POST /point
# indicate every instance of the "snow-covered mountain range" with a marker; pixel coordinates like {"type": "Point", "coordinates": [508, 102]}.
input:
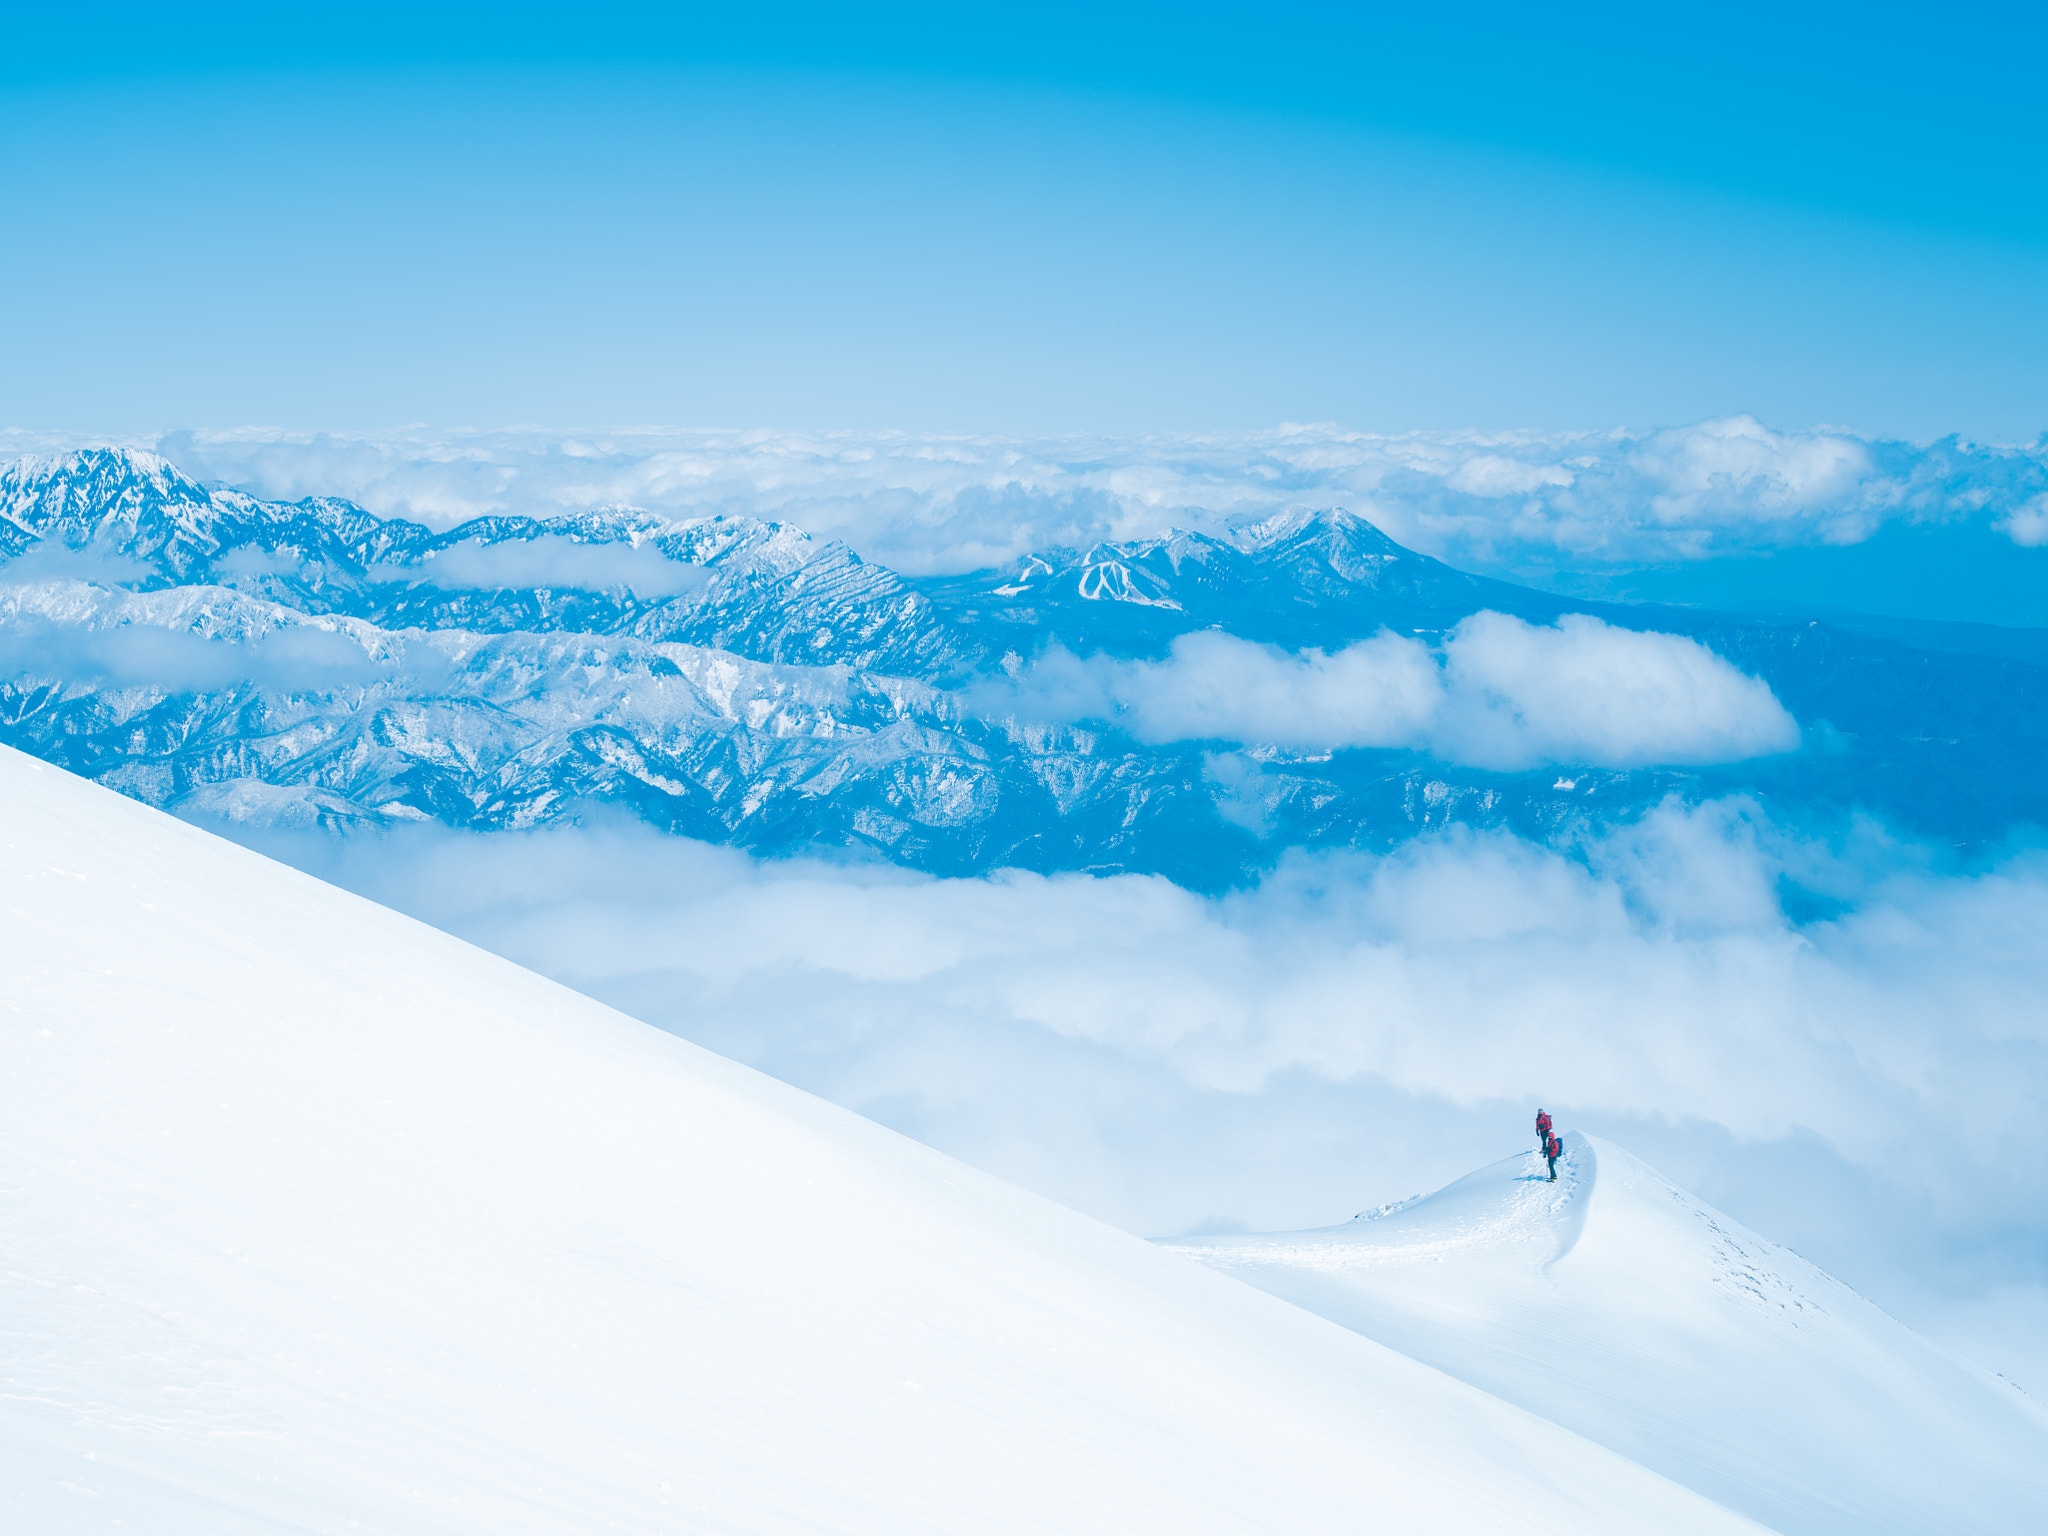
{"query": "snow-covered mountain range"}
{"type": "Point", "coordinates": [736, 680]}
{"type": "Point", "coordinates": [315, 1219]}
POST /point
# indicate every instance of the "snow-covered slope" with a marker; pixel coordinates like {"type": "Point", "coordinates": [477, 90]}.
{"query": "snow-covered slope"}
{"type": "Point", "coordinates": [313, 1219]}
{"type": "Point", "coordinates": [1619, 1305]}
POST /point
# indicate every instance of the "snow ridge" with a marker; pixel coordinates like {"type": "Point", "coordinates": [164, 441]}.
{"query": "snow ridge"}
{"type": "Point", "coordinates": [1622, 1307]}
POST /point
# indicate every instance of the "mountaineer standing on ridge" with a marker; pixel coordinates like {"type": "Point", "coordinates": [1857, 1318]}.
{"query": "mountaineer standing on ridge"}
{"type": "Point", "coordinates": [1542, 1129]}
{"type": "Point", "coordinates": [1553, 1149]}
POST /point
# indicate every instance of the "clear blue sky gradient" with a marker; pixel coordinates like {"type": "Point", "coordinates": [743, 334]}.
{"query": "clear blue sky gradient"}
{"type": "Point", "coordinates": [1045, 218]}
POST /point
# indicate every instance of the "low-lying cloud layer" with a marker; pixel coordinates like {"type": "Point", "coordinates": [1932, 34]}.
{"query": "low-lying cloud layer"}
{"type": "Point", "coordinates": [1503, 694]}
{"type": "Point", "coordinates": [1496, 501]}
{"type": "Point", "coordinates": [554, 563]}
{"type": "Point", "coordinates": [289, 658]}
{"type": "Point", "coordinates": [1865, 1085]}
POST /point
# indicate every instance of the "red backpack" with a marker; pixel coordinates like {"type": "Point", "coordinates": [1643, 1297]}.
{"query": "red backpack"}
{"type": "Point", "coordinates": [1543, 1122]}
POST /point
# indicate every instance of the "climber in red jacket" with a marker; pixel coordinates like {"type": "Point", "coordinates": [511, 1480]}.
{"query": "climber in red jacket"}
{"type": "Point", "coordinates": [1542, 1129]}
{"type": "Point", "coordinates": [1553, 1149]}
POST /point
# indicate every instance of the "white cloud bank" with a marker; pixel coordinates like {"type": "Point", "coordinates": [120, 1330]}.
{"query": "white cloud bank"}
{"type": "Point", "coordinates": [2027, 524]}
{"type": "Point", "coordinates": [1504, 694]}
{"type": "Point", "coordinates": [554, 562]}
{"type": "Point", "coordinates": [1497, 501]}
{"type": "Point", "coordinates": [1866, 1086]}
{"type": "Point", "coordinates": [65, 632]}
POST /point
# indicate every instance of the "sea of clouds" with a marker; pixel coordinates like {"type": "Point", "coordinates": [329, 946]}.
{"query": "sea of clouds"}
{"type": "Point", "coordinates": [1863, 1079]}
{"type": "Point", "coordinates": [1518, 503]}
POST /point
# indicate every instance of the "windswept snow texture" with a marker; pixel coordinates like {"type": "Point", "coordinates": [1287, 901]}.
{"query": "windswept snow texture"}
{"type": "Point", "coordinates": [741, 682]}
{"type": "Point", "coordinates": [1618, 1305]}
{"type": "Point", "coordinates": [315, 1220]}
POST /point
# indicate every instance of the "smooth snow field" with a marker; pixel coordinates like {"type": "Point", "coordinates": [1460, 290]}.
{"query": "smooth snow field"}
{"type": "Point", "coordinates": [314, 1219]}
{"type": "Point", "coordinates": [1619, 1305]}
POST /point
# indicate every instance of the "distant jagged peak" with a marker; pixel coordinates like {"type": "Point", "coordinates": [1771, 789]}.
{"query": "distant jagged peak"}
{"type": "Point", "coordinates": [145, 503]}
{"type": "Point", "coordinates": [124, 502]}
{"type": "Point", "coordinates": [770, 546]}
{"type": "Point", "coordinates": [97, 475]}
{"type": "Point", "coordinates": [139, 504]}
{"type": "Point", "coordinates": [1309, 525]}
{"type": "Point", "coordinates": [1316, 544]}
{"type": "Point", "coordinates": [622, 520]}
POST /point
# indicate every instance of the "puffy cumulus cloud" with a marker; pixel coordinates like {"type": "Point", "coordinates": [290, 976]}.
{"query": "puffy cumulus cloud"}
{"type": "Point", "coordinates": [2027, 524]}
{"type": "Point", "coordinates": [1585, 692]}
{"type": "Point", "coordinates": [1355, 1028]}
{"type": "Point", "coordinates": [1382, 692]}
{"type": "Point", "coordinates": [1739, 471]}
{"type": "Point", "coordinates": [554, 562]}
{"type": "Point", "coordinates": [1504, 694]}
{"type": "Point", "coordinates": [1512, 502]}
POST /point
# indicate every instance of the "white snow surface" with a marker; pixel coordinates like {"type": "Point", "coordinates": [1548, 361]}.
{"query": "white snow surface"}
{"type": "Point", "coordinates": [314, 1219]}
{"type": "Point", "coordinates": [1619, 1305]}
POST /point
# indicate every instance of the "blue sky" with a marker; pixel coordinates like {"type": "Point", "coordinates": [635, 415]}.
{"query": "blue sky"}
{"type": "Point", "coordinates": [1043, 219]}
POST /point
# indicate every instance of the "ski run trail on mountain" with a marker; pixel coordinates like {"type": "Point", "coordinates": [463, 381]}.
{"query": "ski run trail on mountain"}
{"type": "Point", "coordinates": [316, 1220]}
{"type": "Point", "coordinates": [1617, 1304]}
